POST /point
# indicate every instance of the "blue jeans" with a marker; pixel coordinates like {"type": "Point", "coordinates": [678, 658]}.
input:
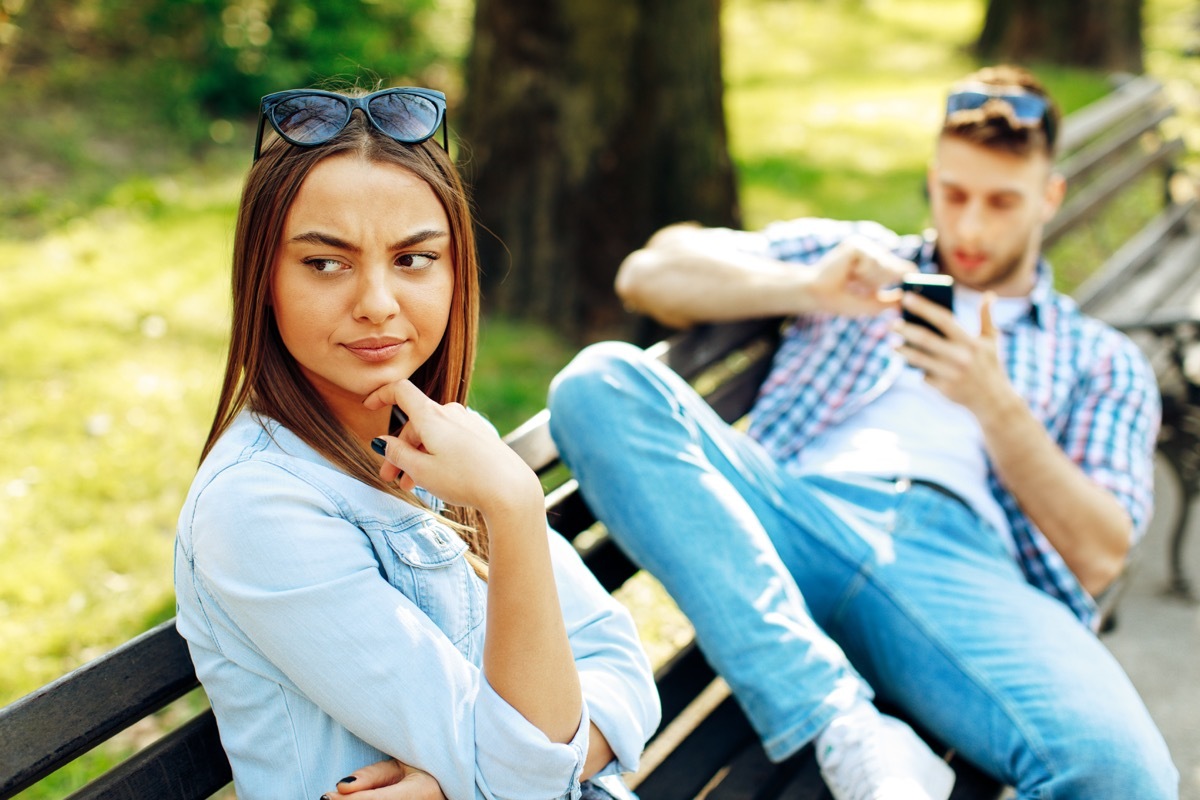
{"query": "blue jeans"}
{"type": "Point", "coordinates": [801, 612]}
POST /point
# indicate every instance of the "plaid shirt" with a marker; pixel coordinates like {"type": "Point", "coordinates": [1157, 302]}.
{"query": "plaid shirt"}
{"type": "Point", "coordinates": [1089, 385]}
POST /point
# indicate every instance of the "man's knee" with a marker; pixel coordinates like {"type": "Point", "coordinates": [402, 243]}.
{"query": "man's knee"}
{"type": "Point", "coordinates": [595, 372]}
{"type": "Point", "coordinates": [1114, 763]}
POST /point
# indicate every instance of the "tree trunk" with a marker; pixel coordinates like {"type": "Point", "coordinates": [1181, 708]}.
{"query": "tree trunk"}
{"type": "Point", "coordinates": [1102, 34]}
{"type": "Point", "coordinates": [588, 124]}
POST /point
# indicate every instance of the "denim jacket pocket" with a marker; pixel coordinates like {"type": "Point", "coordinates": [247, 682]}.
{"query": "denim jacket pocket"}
{"type": "Point", "coordinates": [430, 568]}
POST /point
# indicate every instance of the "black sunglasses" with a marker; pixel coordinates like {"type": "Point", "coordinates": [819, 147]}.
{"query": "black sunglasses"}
{"type": "Point", "coordinates": [1027, 108]}
{"type": "Point", "coordinates": [308, 117]}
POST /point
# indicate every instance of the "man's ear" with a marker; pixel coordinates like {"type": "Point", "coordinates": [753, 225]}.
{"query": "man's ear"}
{"type": "Point", "coordinates": [1056, 190]}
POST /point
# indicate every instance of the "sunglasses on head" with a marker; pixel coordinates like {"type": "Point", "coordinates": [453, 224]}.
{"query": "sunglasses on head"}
{"type": "Point", "coordinates": [1027, 108]}
{"type": "Point", "coordinates": [308, 117]}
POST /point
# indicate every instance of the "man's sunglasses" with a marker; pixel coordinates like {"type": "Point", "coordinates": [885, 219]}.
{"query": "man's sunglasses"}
{"type": "Point", "coordinates": [1028, 108]}
{"type": "Point", "coordinates": [308, 117]}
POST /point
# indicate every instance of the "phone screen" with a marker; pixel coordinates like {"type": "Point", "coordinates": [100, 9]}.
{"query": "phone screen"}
{"type": "Point", "coordinates": [938, 288]}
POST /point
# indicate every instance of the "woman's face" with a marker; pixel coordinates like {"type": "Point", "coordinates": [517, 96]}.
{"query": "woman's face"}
{"type": "Point", "coordinates": [362, 281]}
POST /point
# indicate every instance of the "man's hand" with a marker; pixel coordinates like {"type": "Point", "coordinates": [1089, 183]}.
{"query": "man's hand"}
{"type": "Point", "coordinates": [1086, 524]}
{"type": "Point", "coordinates": [387, 780]}
{"type": "Point", "coordinates": [851, 279]}
{"type": "Point", "coordinates": [964, 368]}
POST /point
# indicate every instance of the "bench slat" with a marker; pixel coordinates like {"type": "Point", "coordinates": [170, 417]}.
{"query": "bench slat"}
{"type": "Point", "coordinates": [610, 566]}
{"type": "Point", "coordinates": [1124, 102]}
{"type": "Point", "coordinates": [1174, 267]}
{"type": "Point", "coordinates": [694, 351]}
{"type": "Point", "coordinates": [734, 398]}
{"type": "Point", "coordinates": [50, 727]}
{"type": "Point", "coordinates": [1084, 205]}
{"type": "Point", "coordinates": [532, 442]}
{"type": "Point", "coordinates": [752, 776]}
{"type": "Point", "coordinates": [1132, 257]}
{"type": "Point", "coordinates": [691, 765]}
{"type": "Point", "coordinates": [187, 764]}
{"type": "Point", "coordinates": [1081, 165]}
{"type": "Point", "coordinates": [681, 680]}
{"type": "Point", "coordinates": [567, 512]}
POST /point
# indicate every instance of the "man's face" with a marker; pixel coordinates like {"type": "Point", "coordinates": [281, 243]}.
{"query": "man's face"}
{"type": "Point", "coordinates": [989, 207]}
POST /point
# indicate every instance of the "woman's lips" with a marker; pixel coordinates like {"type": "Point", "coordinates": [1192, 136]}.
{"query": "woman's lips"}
{"type": "Point", "coordinates": [374, 352]}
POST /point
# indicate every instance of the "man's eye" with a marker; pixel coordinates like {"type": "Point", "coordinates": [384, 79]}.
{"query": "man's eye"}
{"type": "Point", "coordinates": [416, 261]}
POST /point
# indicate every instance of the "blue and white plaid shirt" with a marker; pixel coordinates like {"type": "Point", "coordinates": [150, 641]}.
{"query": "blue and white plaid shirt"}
{"type": "Point", "coordinates": [1088, 384]}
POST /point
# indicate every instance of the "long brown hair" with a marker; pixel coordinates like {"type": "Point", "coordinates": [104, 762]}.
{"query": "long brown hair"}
{"type": "Point", "coordinates": [260, 373]}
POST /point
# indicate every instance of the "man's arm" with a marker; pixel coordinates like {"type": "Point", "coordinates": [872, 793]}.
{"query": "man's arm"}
{"type": "Point", "coordinates": [1086, 524]}
{"type": "Point", "coordinates": [687, 275]}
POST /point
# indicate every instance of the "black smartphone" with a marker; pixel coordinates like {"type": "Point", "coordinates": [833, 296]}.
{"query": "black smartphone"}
{"type": "Point", "coordinates": [938, 288]}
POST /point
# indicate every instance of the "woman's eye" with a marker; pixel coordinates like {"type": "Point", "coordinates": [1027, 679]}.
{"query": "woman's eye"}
{"type": "Point", "coordinates": [416, 261]}
{"type": "Point", "coordinates": [324, 265]}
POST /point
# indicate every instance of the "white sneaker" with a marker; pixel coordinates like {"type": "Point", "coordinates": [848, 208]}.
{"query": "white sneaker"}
{"type": "Point", "coordinates": [865, 755]}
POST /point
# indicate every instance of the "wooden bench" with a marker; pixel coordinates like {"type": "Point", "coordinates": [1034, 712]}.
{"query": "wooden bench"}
{"type": "Point", "coordinates": [705, 745]}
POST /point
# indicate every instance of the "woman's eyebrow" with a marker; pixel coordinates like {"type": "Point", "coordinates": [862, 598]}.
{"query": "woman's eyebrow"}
{"type": "Point", "coordinates": [418, 237]}
{"type": "Point", "coordinates": [325, 240]}
{"type": "Point", "coordinates": [329, 240]}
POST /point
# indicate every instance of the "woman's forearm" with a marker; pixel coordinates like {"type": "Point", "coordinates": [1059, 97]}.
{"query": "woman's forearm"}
{"type": "Point", "coordinates": [527, 658]}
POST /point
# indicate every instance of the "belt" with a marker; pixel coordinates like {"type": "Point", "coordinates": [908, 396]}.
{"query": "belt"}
{"type": "Point", "coordinates": [903, 484]}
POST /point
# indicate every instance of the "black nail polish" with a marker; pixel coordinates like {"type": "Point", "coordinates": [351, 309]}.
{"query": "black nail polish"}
{"type": "Point", "coordinates": [324, 797]}
{"type": "Point", "coordinates": [349, 779]}
{"type": "Point", "coordinates": [379, 446]}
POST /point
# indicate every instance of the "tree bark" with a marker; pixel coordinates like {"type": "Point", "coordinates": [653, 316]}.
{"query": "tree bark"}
{"type": "Point", "coordinates": [1101, 34]}
{"type": "Point", "coordinates": [587, 125]}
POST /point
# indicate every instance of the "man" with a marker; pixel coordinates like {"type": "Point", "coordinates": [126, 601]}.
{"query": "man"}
{"type": "Point", "coordinates": [926, 513]}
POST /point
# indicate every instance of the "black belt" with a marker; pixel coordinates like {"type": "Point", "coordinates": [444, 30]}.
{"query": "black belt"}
{"type": "Point", "coordinates": [903, 483]}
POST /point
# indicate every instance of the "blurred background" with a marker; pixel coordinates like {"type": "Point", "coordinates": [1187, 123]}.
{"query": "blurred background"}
{"type": "Point", "coordinates": [582, 126]}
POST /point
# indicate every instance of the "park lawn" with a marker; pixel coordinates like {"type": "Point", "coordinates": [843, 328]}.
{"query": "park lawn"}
{"type": "Point", "coordinates": [115, 321]}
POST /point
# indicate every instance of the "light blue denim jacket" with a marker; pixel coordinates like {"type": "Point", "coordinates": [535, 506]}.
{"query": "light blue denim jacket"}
{"type": "Point", "coordinates": [331, 624]}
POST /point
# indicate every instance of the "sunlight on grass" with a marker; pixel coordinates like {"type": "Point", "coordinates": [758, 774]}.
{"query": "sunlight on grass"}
{"type": "Point", "coordinates": [826, 97]}
{"type": "Point", "coordinates": [114, 329]}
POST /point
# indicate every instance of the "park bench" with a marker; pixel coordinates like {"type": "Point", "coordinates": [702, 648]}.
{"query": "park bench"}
{"type": "Point", "coordinates": [705, 745]}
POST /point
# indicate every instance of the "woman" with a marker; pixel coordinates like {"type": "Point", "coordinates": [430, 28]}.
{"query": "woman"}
{"type": "Point", "coordinates": [363, 569]}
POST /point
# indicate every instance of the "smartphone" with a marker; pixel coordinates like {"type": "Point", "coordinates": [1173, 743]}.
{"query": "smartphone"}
{"type": "Point", "coordinates": [938, 288]}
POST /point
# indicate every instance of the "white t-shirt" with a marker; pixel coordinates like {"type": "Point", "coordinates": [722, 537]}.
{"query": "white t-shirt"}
{"type": "Point", "coordinates": [912, 430]}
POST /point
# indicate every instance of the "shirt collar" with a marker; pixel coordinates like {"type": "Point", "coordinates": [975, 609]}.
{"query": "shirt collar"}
{"type": "Point", "coordinates": [1040, 297]}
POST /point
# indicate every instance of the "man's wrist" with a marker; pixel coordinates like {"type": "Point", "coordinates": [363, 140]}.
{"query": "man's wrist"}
{"type": "Point", "coordinates": [1001, 412]}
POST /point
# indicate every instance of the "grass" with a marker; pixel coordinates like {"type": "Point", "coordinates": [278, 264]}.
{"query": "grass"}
{"type": "Point", "coordinates": [115, 311]}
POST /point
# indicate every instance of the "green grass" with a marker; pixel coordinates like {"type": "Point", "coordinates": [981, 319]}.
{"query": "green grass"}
{"type": "Point", "coordinates": [115, 252]}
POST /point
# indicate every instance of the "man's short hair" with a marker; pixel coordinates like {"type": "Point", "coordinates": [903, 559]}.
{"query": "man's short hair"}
{"type": "Point", "coordinates": [978, 111]}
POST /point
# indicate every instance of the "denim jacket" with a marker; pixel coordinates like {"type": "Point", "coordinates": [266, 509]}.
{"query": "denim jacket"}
{"type": "Point", "coordinates": [331, 624]}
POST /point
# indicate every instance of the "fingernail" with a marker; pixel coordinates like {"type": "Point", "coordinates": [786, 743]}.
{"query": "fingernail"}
{"type": "Point", "coordinates": [379, 446]}
{"type": "Point", "coordinates": [324, 797]}
{"type": "Point", "coordinates": [349, 779]}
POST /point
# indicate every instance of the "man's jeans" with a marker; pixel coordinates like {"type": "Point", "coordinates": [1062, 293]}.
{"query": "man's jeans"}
{"type": "Point", "coordinates": [917, 591]}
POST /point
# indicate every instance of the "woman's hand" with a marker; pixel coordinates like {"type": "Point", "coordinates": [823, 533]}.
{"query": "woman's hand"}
{"type": "Point", "coordinates": [453, 453]}
{"type": "Point", "coordinates": [388, 780]}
